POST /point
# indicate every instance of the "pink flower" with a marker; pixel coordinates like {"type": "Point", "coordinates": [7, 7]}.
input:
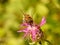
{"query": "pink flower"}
{"type": "Point", "coordinates": [33, 31]}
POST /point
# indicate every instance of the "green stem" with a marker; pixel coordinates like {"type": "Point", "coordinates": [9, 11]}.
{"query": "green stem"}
{"type": "Point", "coordinates": [48, 42]}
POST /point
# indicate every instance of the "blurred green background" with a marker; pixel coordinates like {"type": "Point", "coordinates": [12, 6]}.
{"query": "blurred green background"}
{"type": "Point", "coordinates": [11, 18]}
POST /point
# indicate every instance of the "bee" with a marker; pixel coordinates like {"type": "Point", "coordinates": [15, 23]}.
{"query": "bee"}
{"type": "Point", "coordinates": [27, 18]}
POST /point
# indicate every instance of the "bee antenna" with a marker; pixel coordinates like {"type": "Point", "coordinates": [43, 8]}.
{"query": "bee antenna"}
{"type": "Point", "coordinates": [23, 12]}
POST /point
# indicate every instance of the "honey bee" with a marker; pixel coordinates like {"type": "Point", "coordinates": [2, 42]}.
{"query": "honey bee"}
{"type": "Point", "coordinates": [27, 18]}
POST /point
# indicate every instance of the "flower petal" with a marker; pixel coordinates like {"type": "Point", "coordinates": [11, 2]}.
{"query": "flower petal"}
{"type": "Point", "coordinates": [33, 35]}
{"type": "Point", "coordinates": [43, 21]}
{"type": "Point", "coordinates": [24, 24]}
{"type": "Point", "coordinates": [21, 31]}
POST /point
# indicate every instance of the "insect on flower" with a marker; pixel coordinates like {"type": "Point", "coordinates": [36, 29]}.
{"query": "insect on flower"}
{"type": "Point", "coordinates": [32, 30]}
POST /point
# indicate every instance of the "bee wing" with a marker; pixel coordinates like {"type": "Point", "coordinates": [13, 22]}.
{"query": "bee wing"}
{"type": "Point", "coordinates": [43, 21]}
